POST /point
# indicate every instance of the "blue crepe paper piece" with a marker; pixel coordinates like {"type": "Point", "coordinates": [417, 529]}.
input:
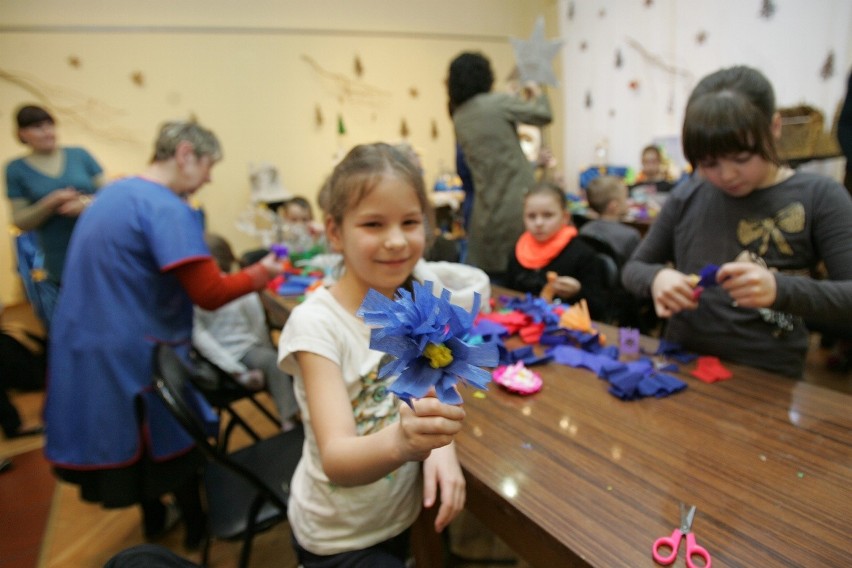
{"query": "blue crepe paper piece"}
{"type": "Point", "coordinates": [628, 381]}
{"type": "Point", "coordinates": [536, 308]}
{"type": "Point", "coordinates": [405, 326]}
{"type": "Point", "coordinates": [527, 356]}
{"type": "Point", "coordinates": [708, 276]}
{"type": "Point", "coordinates": [660, 385]}
{"type": "Point", "coordinates": [488, 328]}
{"type": "Point", "coordinates": [625, 386]}
{"type": "Point", "coordinates": [675, 351]}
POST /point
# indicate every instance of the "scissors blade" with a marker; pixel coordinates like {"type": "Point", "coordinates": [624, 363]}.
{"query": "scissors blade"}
{"type": "Point", "coordinates": [686, 517]}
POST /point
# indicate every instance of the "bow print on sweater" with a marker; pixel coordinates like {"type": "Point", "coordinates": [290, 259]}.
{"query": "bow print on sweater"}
{"type": "Point", "coordinates": [791, 219]}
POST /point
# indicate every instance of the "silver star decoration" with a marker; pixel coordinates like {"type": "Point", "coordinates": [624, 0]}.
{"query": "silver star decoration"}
{"type": "Point", "coordinates": [534, 56]}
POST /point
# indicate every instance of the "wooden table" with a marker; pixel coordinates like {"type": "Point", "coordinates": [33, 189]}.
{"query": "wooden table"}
{"type": "Point", "coordinates": [573, 476]}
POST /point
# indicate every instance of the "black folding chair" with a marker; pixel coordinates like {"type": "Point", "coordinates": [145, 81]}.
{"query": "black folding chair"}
{"type": "Point", "coordinates": [222, 391]}
{"type": "Point", "coordinates": [247, 489]}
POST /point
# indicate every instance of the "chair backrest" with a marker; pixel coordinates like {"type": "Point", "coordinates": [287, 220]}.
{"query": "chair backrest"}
{"type": "Point", "coordinates": [610, 271]}
{"type": "Point", "coordinates": [603, 247]}
{"type": "Point", "coordinates": [172, 379]}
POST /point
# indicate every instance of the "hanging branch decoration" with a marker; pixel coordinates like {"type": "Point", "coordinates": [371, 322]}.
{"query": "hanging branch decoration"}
{"type": "Point", "coordinates": [701, 37]}
{"type": "Point", "coordinates": [318, 116]}
{"type": "Point", "coordinates": [534, 56]}
{"type": "Point", "coordinates": [413, 92]}
{"type": "Point", "coordinates": [649, 3]}
{"type": "Point", "coordinates": [347, 89]}
{"type": "Point", "coordinates": [434, 129]}
{"type": "Point", "coordinates": [82, 109]}
{"type": "Point", "coordinates": [138, 78]}
{"type": "Point", "coordinates": [359, 67]}
{"type": "Point", "coordinates": [584, 45]}
{"type": "Point", "coordinates": [767, 9]}
{"type": "Point", "coordinates": [74, 61]}
{"type": "Point", "coordinates": [827, 69]}
{"type": "Point", "coordinates": [341, 128]}
{"type": "Point", "coordinates": [403, 129]}
{"type": "Point", "coordinates": [658, 62]}
{"type": "Point", "coordinates": [619, 60]}
{"type": "Point", "coordinates": [588, 99]}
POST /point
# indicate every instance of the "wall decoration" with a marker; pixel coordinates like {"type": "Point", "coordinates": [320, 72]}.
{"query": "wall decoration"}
{"type": "Point", "coordinates": [74, 61]}
{"type": "Point", "coordinates": [317, 116]}
{"type": "Point", "coordinates": [584, 45]}
{"type": "Point", "coordinates": [602, 13]}
{"type": "Point", "coordinates": [767, 9]}
{"type": "Point", "coordinates": [413, 92]}
{"type": "Point", "coordinates": [633, 85]}
{"type": "Point", "coordinates": [570, 11]}
{"type": "Point", "coordinates": [657, 61]}
{"type": "Point", "coordinates": [434, 129]}
{"type": "Point", "coordinates": [82, 109]}
{"type": "Point", "coordinates": [359, 68]}
{"type": "Point", "coordinates": [341, 128]}
{"type": "Point", "coordinates": [138, 78]}
{"type": "Point", "coordinates": [534, 56]}
{"type": "Point", "coordinates": [701, 37]}
{"type": "Point", "coordinates": [588, 99]}
{"type": "Point", "coordinates": [649, 3]}
{"type": "Point", "coordinates": [827, 69]}
{"type": "Point", "coordinates": [346, 89]}
{"type": "Point", "coordinates": [403, 129]}
{"type": "Point", "coordinates": [619, 61]}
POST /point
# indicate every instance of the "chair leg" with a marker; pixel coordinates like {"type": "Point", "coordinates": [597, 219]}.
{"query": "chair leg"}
{"type": "Point", "coordinates": [265, 411]}
{"type": "Point", "coordinates": [248, 538]}
{"type": "Point", "coordinates": [235, 419]}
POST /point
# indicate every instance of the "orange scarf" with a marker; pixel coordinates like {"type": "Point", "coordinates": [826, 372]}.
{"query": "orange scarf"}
{"type": "Point", "coordinates": [534, 255]}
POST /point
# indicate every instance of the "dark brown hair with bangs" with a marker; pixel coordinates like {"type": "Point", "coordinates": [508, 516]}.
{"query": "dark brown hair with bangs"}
{"type": "Point", "coordinates": [359, 172]}
{"type": "Point", "coordinates": [729, 112]}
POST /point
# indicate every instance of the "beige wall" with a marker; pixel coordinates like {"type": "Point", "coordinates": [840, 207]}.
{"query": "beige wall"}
{"type": "Point", "coordinates": [240, 68]}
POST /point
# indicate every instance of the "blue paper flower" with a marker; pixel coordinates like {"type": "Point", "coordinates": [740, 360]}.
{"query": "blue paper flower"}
{"type": "Point", "coordinates": [424, 334]}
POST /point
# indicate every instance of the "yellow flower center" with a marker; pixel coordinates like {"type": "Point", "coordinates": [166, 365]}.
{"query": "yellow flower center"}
{"type": "Point", "coordinates": [438, 355]}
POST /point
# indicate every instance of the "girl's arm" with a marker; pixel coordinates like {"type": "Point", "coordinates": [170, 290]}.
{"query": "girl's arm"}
{"type": "Point", "coordinates": [349, 459]}
{"type": "Point", "coordinates": [441, 470]}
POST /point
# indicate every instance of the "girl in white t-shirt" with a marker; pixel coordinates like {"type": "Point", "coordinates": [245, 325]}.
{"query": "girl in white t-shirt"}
{"type": "Point", "coordinates": [369, 462]}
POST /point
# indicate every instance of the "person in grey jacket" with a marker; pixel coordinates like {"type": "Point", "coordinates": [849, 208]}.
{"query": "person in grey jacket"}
{"type": "Point", "coordinates": [486, 130]}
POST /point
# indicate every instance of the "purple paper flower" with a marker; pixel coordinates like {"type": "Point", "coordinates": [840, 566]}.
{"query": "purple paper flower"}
{"type": "Point", "coordinates": [424, 333]}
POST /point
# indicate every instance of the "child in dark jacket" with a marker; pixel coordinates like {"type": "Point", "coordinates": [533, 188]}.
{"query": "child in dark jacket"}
{"type": "Point", "coordinates": [549, 245]}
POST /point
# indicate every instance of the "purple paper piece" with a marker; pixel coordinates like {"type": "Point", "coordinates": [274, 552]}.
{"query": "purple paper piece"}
{"type": "Point", "coordinates": [628, 341]}
{"type": "Point", "coordinates": [281, 251]}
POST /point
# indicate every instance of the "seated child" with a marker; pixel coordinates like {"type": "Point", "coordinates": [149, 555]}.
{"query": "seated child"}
{"type": "Point", "coordinates": [607, 195]}
{"type": "Point", "coordinates": [653, 170]}
{"type": "Point", "coordinates": [300, 231]}
{"type": "Point", "coordinates": [235, 338]}
{"type": "Point", "coordinates": [548, 245]}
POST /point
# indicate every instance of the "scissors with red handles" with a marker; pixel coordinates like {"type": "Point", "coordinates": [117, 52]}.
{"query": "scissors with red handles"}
{"type": "Point", "coordinates": [693, 550]}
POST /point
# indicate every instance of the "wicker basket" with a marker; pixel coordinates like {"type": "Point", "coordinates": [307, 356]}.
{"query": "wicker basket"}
{"type": "Point", "coordinates": [801, 128]}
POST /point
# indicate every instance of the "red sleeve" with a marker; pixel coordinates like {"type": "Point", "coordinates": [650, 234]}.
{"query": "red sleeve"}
{"type": "Point", "coordinates": [210, 289]}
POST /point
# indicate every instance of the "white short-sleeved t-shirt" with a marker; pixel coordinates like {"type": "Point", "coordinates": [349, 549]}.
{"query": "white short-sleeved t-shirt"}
{"type": "Point", "coordinates": [326, 518]}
